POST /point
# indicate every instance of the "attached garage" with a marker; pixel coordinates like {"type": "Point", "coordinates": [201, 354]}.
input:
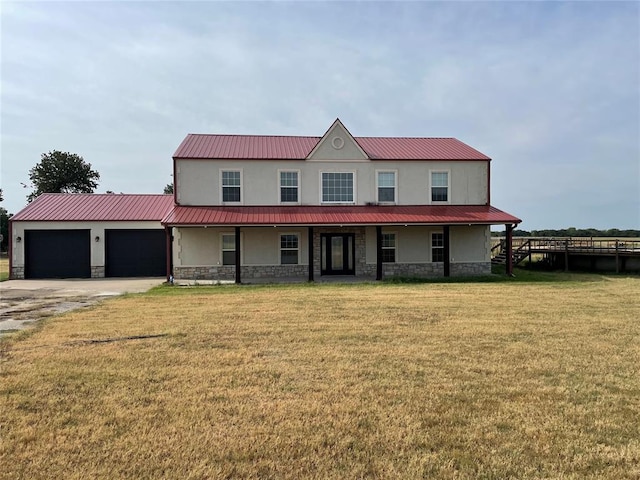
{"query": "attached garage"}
{"type": "Point", "coordinates": [57, 253]}
{"type": "Point", "coordinates": [136, 253]}
{"type": "Point", "coordinates": [61, 235]}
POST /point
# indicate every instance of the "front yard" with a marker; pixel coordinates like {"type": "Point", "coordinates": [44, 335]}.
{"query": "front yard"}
{"type": "Point", "coordinates": [468, 380]}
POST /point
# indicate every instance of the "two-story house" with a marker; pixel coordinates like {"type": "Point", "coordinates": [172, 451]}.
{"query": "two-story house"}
{"type": "Point", "coordinates": [250, 207]}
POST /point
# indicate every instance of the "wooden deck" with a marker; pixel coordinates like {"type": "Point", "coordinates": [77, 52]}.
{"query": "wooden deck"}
{"type": "Point", "coordinates": [573, 253]}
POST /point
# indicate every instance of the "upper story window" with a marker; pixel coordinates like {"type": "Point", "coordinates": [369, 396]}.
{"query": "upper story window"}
{"type": "Point", "coordinates": [337, 187]}
{"type": "Point", "coordinates": [389, 247]}
{"type": "Point", "coordinates": [231, 186]}
{"type": "Point", "coordinates": [289, 187]}
{"type": "Point", "coordinates": [439, 186]}
{"type": "Point", "coordinates": [386, 182]}
{"type": "Point", "coordinates": [289, 248]}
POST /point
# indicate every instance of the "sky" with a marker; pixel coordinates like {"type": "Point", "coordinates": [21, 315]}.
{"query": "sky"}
{"type": "Point", "coordinates": [549, 90]}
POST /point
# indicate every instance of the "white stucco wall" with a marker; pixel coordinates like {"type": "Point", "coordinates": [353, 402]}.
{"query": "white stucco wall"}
{"type": "Point", "coordinates": [199, 246]}
{"type": "Point", "coordinates": [470, 243]}
{"type": "Point", "coordinates": [97, 229]}
{"type": "Point", "coordinates": [413, 243]}
{"type": "Point", "coordinates": [198, 181]}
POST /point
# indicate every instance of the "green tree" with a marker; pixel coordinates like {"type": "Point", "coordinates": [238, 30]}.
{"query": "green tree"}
{"type": "Point", "coordinates": [4, 229]}
{"type": "Point", "coordinates": [168, 188]}
{"type": "Point", "coordinates": [4, 226]}
{"type": "Point", "coordinates": [62, 172]}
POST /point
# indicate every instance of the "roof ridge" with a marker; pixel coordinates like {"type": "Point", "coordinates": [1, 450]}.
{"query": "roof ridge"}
{"type": "Point", "coordinates": [250, 135]}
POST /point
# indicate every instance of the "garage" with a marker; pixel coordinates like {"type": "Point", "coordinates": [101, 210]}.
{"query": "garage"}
{"type": "Point", "coordinates": [135, 253]}
{"type": "Point", "coordinates": [57, 254]}
{"type": "Point", "coordinates": [90, 235]}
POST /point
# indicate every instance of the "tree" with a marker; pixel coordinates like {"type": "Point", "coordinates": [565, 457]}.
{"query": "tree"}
{"type": "Point", "coordinates": [168, 188]}
{"type": "Point", "coordinates": [1, 196]}
{"type": "Point", "coordinates": [62, 172]}
{"type": "Point", "coordinates": [4, 228]}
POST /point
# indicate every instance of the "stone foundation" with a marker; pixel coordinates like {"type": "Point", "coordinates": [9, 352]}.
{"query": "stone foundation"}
{"type": "Point", "coordinates": [97, 272]}
{"type": "Point", "coordinates": [470, 269]}
{"type": "Point", "coordinates": [365, 271]}
{"type": "Point", "coordinates": [247, 272]}
{"type": "Point", "coordinates": [17, 273]}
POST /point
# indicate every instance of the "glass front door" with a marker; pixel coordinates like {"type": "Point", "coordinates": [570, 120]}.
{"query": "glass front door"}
{"type": "Point", "coordinates": [337, 251]}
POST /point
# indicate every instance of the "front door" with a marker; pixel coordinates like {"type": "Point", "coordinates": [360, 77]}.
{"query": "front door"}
{"type": "Point", "coordinates": [337, 252]}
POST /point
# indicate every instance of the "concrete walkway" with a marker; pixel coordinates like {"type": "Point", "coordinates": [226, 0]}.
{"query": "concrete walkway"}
{"type": "Point", "coordinates": [22, 302]}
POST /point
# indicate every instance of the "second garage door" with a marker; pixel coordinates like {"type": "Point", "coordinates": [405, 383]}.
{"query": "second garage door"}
{"type": "Point", "coordinates": [135, 253]}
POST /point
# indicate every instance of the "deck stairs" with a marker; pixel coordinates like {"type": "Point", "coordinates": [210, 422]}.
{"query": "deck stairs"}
{"type": "Point", "coordinates": [499, 253]}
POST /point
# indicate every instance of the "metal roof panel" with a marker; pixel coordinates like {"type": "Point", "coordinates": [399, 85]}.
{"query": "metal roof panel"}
{"type": "Point", "coordinates": [79, 207]}
{"type": "Point", "coordinates": [339, 215]}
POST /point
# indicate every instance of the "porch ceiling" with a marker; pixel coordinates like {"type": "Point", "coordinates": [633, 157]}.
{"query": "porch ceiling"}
{"type": "Point", "coordinates": [339, 215]}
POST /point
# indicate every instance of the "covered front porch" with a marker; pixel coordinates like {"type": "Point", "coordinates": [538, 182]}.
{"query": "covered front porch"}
{"type": "Point", "coordinates": [252, 244]}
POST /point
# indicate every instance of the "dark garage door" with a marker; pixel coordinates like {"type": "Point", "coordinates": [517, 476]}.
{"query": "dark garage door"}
{"type": "Point", "coordinates": [136, 253]}
{"type": "Point", "coordinates": [57, 254]}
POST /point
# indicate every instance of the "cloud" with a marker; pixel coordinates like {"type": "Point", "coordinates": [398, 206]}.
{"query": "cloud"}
{"type": "Point", "coordinates": [548, 90]}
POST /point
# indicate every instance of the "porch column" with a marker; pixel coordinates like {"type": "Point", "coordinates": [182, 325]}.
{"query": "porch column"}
{"type": "Point", "coordinates": [509, 245]}
{"type": "Point", "coordinates": [310, 253]}
{"type": "Point", "coordinates": [238, 280]}
{"type": "Point", "coordinates": [378, 252]}
{"type": "Point", "coordinates": [167, 231]}
{"type": "Point", "coordinates": [446, 252]}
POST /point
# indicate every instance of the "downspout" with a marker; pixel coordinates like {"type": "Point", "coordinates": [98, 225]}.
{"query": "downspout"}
{"type": "Point", "coordinates": [10, 244]}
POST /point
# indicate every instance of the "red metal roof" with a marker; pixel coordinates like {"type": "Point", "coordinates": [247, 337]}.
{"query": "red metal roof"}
{"type": "Point", "coordinates": [77, 207]}
{"type": "Point", "coordinates": [256, 147]}
{"type": "Point", "coordinates": [339, 215]}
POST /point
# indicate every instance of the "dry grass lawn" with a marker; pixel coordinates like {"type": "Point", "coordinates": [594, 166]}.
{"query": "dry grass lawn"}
{"type": "Point", "coordinates": [469, 380]}
{"type": "Point", "coordinates": [4, 269]}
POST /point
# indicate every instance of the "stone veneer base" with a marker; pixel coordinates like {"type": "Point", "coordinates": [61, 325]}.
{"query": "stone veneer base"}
{"type": "Point", "coordinates": [256, 272]}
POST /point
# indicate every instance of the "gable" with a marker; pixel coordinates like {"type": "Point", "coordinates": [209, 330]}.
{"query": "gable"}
{"type": "Point", "coordinates": [337, 144]}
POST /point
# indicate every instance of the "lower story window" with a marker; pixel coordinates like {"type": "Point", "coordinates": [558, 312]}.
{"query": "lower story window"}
{"type": "Point", "coordinates": [437, 247]}
{"type": "Point", "coordinates": [289, 249]}
{"type": "Point", "coordinates": [389, 247]}
{"type": "Point", "coordinates": [228, 249]}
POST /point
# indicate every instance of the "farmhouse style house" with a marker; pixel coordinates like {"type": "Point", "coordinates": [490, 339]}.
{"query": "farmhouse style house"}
{"type": "Point", "coordinates": [249, 207]}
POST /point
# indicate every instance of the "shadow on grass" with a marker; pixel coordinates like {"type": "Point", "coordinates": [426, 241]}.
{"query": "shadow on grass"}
{"type": "Point", "coordinates": [520, 275]}
{"type": "Point", "coordinates": [497, 276]}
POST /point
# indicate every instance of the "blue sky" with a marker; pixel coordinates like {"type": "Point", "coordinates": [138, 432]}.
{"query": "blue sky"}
{"type": "Point", "coordinates": [549, 90]}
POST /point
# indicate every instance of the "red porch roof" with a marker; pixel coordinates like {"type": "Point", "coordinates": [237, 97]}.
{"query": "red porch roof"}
{"type": "Point", "coordinates": [78, 207]}
{"type": "Point", "coordinates": [339, 215]}
{"type": "Point", "coordinates": [264, 147]}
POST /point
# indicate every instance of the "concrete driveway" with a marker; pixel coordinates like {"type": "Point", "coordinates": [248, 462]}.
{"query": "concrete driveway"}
{"type": "Point", "coordinates": [22, 302]}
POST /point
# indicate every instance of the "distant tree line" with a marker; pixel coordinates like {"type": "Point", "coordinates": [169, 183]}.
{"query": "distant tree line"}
{"type": "Point", "coordinates": [571, 232]}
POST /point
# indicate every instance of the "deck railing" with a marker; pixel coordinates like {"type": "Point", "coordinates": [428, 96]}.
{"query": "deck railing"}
{"type": "Point", "coordinates": [573, 245]}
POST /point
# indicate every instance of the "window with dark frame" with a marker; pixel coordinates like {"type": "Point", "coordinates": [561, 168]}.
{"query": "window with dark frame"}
{"type": "Point", "coordinates": [289, 249]}
{"type": "Point", "coordinates": [231, 186]}
{"type": "Point", "coordinates": [337, 187]}
{"type": "Point", "coordinates": [439, 186]}
{"type": "Point", "coordinates": [388, 248]}
{"type": "Point", "coordinates": [289, 187]}
{"type": "Point", "coordinates": [437, 247]}
{"type": "Point", "coordinates": [386, 187]}
{"type": "Point", "coordinates": [228, 249]}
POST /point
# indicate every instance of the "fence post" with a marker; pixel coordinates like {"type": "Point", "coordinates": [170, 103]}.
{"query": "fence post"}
{"type": "Point", "coordinates": [617, 258]}
{"type": "Point", "coordinates": [566, 255]}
